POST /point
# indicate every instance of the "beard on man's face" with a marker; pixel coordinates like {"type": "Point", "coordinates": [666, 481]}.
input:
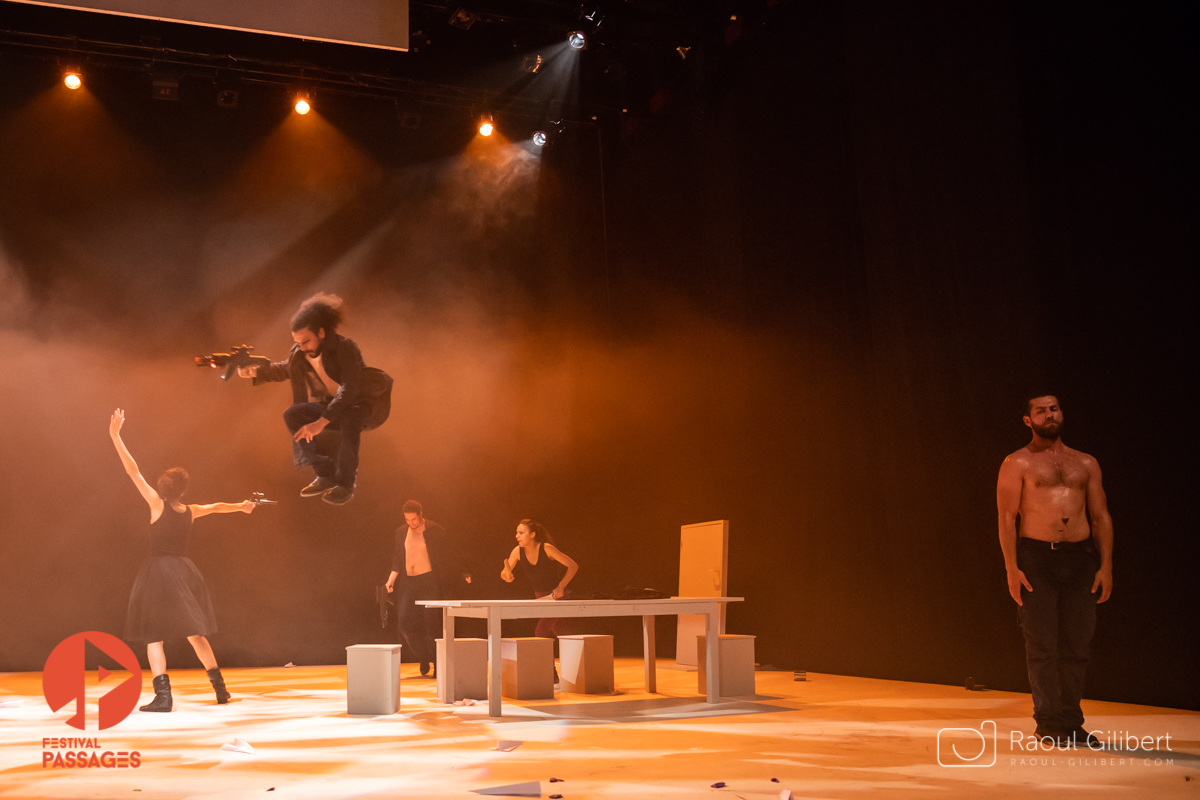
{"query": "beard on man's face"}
{"type": "Point", "coordinates": [1048, 430]}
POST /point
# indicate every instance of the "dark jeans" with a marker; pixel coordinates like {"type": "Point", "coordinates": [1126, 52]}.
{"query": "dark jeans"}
{"type": "Point", "coordinates": [1058, 618]}
{"type": "Point", "coordinates": [419, 625]}
{"type": "Point", "coordinates": [342, 466]}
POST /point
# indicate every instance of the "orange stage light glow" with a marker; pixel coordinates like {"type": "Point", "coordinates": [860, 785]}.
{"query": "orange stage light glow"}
{"type": "Point", "coordinates": [72, 81]}
{"type": "Point", "coordinates": [486, 129]}
{"type": "Point", "coordinates": [303, 106]}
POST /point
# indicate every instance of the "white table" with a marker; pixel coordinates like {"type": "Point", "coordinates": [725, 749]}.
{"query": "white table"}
{"type": "Point", "coordinates": [494, 611]}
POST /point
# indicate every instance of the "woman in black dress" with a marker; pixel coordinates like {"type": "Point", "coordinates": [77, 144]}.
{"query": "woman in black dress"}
{"type": "Point", "coordinates": [170, 599]}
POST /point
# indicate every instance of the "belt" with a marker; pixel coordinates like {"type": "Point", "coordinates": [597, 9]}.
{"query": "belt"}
{"type": "Point", "coordinates": [1041, 544]}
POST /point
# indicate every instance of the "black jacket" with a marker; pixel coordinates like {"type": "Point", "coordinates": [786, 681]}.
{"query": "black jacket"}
{"type": "Point", "coordinates": [443, 558]}
{"type": "Point", "coordinates": [343, 362]}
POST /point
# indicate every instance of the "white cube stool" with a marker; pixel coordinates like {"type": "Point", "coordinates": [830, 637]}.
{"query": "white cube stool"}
{"type": "Point", "coordinates": [373, 679]}
{"type": "Point", "coordinates": [527, 668]}
{"type": "Point", "coordinates": [470, 669]}
{"type": "Point", "coordinates": [586, 663]}
{"type": "Point", "coordinates": [737, 664]}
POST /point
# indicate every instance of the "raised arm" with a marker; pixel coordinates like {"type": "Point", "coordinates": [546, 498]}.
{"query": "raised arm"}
{"type": "Point", "coordinates": [1008, 503]}
{"type": "Point", "coordinates": [131, 468]}
{"type": "Point", "coordinates": [198, 511]}
{"type": "Point", "coordinates": [1102, 530]}
{"type": "Point", "coordinates": [565, 560]}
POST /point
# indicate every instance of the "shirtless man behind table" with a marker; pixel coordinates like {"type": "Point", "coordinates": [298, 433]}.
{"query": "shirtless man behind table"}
{"type": "Point", "coordinates": [431, 571]}
{"type": "Point", "coordinates": [1056, 566]}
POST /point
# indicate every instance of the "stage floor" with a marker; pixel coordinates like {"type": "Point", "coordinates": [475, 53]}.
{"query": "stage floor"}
{"type": "Point", "coordinates": [830, 737]}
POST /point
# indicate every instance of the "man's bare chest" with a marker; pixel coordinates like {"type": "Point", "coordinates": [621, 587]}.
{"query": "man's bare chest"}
{"type": "Point", "coordinates": [1048, 471]}
{"type": "Point", "coordinates": [416, 549]}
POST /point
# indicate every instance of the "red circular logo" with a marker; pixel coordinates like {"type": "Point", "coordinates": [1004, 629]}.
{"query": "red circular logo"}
{"type": "Point", "coordinates": [63, 678]}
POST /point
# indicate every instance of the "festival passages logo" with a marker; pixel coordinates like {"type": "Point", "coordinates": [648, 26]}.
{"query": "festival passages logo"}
{"type": "Point", "coordinates": [63, 678]}
{"type": "Point", "coordinates": [955, 746]}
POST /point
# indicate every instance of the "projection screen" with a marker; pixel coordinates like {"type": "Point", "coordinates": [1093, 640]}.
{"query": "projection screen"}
{"type": "Point", "coordinates": [369, 23]}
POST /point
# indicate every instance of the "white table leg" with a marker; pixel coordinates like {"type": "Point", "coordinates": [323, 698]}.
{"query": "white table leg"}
{"type": "Point", "coordinates": [495, 666]}
{"type": "Point", "coordinates": [446, 669]}
{"type": "Point", "coordinates": [712, 643]}
{"type": "Point", "coordinates": [648, 652]}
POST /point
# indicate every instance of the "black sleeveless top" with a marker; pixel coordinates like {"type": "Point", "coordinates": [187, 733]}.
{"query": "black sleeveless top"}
{"type": "Point", "coordinates": [545, 574]}
{"type": "Point", "coordinates": [171, 532]}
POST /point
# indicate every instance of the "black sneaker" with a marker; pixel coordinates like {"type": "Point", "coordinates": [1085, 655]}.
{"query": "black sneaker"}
{"type": "Point", "coordinates": [1081, 738]}
{"type": "Point", "coordinates": [318, 487]}
{"type": "Point", "coordinates": [1060, 737]}
{"type": "Point", "coordinates": [339, 496]}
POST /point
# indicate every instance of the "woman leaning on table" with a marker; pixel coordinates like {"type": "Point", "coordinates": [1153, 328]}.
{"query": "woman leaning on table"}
{"type": "Point", "coordinates": [547, 569]}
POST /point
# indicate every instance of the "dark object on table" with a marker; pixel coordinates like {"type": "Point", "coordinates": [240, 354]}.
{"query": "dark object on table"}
{"type": "Point", "coordinates": [800, 675]}
{"type": "Point", "coordinates": [972, 686]}
{"type": "Point", "coordinates": [634, 593]}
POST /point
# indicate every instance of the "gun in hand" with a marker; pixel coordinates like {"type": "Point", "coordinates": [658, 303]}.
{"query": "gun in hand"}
{"type": "Point", "coordinates": [239, 356]}
{"type": "Point", "coordinates": [259, 499]}
{"type": "Point", "coordinates": [384, 598]}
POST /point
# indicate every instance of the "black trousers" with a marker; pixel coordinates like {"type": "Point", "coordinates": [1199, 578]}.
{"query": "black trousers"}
{"type": "Point", "coordinates": [342, 466]}
{"type": "Point", "coordinates": [1058, 618]}
{"type": "Point", "coordinates": [419, 625]}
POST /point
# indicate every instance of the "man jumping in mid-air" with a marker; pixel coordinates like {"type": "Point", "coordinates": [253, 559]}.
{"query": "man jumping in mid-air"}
{"type": "Point", "coordinates": [331, 388]}
{"type": "Point", "coordinates": [1059, 567]}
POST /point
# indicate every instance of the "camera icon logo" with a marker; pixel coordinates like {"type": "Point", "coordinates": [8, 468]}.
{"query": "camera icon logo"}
{"type": "Point", "coordinates": [967, 747]}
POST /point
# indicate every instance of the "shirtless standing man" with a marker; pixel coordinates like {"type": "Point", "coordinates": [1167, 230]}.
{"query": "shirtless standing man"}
{"type": "Point", "coordinates": [428, 567]}
{"type": "Point", "coordinates": [1057, 565]}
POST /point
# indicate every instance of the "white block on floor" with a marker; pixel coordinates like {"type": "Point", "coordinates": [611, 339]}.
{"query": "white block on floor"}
{"type": "Point", "coordinates": [373, 679]}
{"type": "Point", "coordinates": [586, 663]}
{"type": "Point", "coordinates": [527, 668]}
{"type": "Point", "coordinates": [737, 664]}
{"type": "Point", "coordinates": [470, 669]}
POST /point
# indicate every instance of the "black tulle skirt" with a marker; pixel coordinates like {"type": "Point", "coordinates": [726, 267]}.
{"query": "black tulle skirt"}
{"type": "Point", "coordinates": [169, 601]}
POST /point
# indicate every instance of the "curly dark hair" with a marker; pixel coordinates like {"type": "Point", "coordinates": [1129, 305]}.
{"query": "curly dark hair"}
{"type": "Point", "coordinates": [319, 311]}
{"type": "Point", "coordinates": [173, 483]}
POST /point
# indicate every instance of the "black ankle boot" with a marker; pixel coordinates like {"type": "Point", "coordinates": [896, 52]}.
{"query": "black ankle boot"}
{"type": "Point", "coordinates": [162, 695]}
{"type": "Point", "coordinates": [214, 677]}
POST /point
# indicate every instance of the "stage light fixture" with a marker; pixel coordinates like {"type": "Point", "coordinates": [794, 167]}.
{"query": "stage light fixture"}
{"type": "Point", "coordinates": [577, 40]}
{"type": "Point", "coordinates": [539, 138]}
{"type": "Point", "coordinates": [486, 125]}
{"type": "Point", "coordinates": [72, 78]}
{"type": "Point", "coordinates": [228, 98]}
{"type": "Point", "coordinates": [303, 103]}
